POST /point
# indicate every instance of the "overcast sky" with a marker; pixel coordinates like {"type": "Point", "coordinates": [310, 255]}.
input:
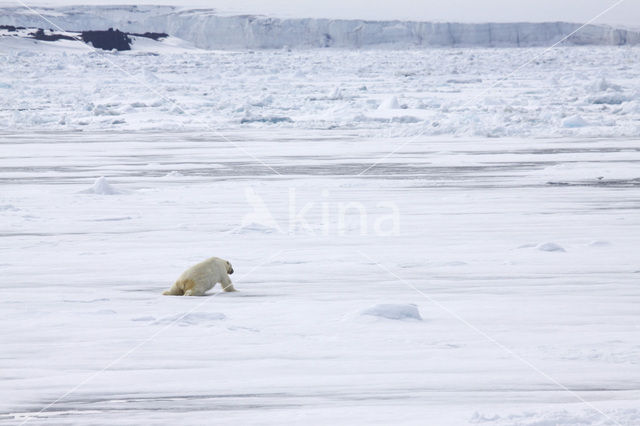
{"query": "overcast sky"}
{"type": "Point", "coordinates": [627, 13]}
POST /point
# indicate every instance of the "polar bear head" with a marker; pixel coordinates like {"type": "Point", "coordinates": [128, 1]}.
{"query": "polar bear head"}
{"type": "Point", "coordinates": [229, 267]}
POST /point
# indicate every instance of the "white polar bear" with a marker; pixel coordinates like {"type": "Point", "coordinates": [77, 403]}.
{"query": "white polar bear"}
{"type": "Point", "coordinates": [200, 278]}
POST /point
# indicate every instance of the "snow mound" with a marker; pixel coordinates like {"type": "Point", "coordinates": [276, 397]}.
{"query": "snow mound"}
{"type": "Point", "coordinates": [174, 173]}
{"type": "Point", "coordinates": [102, 187]}
{"type": "Point", "coordinates": [394, 312]}
{"type": "Point", "coordinates": [550, 247]}
{"type": "Point", "coordinates": [599, 243]}
{"type": "Point", "coordinates": [389, 103]}
{"type": "Point", "coordinates": [574, 121]}
{"type": "Point", "coordinates": [193, 318]}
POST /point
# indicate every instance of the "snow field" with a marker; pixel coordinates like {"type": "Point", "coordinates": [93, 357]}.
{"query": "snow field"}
{"type": "Point", "coordinates": [84, 273]}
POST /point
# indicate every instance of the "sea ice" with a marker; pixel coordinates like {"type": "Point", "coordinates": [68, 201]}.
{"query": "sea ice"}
{"type": "Point", "coordinates": [574, 121]}
{"type": "Point", "coordinates": [394, 312]}
{"type": "Point", "coordinates": [550, 247]}
{"type": "Point", "coordinates": [191, 318]}
{"type": "Point", "coordinates": [390, 103]}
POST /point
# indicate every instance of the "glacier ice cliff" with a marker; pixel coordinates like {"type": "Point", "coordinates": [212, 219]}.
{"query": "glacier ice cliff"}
{"type": "Point", "coordinates": [207, 29]}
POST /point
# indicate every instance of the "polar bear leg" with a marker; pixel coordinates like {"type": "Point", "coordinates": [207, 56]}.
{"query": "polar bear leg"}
{"type": "Point", "coordinates": [191, 288]}
{"type": "Point", "coordinates": [194, 292]}
{"type": "Point", "coordinates": [227, 285]}
{"type": "Point", "coordinates": [174, 290]}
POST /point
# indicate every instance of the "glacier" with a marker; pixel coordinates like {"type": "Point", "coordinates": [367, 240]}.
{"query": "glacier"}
{"type": "Point", "coordinates": [209, 29]}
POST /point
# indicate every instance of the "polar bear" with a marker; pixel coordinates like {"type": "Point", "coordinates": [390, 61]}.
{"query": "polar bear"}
{"type": "Point", "coordinates": [201, 277]}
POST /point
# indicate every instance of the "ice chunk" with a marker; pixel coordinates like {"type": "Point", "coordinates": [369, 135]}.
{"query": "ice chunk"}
{"type": "Point", "coordinates": [105, 109]}
{"type": "Point", "coordinates": [574, 121]}
{"type": "Point", "coordinates": [102, 187]}
{"type": "Point", "coordinates": [390, 103]}
{"type": "Point", "coordinates": [335, 94]}
{"type": "Point", "coordinates": [608, 99]}
{"type": "Point", "coordinates": [603, 85]}
{"type": "Point", "coordinates": [394, 312]}
{"type": "Point", "coordinates": [406, 119]}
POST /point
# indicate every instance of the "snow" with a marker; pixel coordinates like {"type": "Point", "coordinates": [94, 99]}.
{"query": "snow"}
{"type": "Point", "coordinates": [187, 319]}
{"type": "Point", "coordinates": [394, 312]}
{"type": "Point", "coordinates": [85, 275]}
{"type": "Point", "coordinates": [549, 247]}
{"type": "Point", "coordinates": [390, 103]}
{"type": "Point", "coordinates": [574, 121]}
{"type": "Point", "coordinates": [599, 243]}
{"type": "Point", "coordinates": [102, 187]}
{"type": "Point", "coordinates": [457, 92]}
{"type": "Point", "coordinates": [483, 271]}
